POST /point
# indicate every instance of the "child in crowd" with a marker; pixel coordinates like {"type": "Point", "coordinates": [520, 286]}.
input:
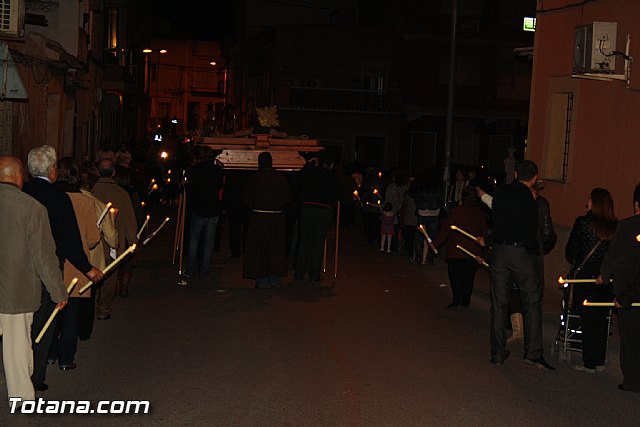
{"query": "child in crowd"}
{"type": "Point", "coordinates": [387, 220]}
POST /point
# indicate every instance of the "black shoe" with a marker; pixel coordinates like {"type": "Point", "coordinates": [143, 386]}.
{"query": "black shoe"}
{"type": "Point", "coordinates": [453, 305]}
{"type": "Point", "coordinates": [40, 387]}
{"type": "Point", "coordinates": [51, 361]}
{"type": "Point", "coordinates": [621, 387]}
{"type": "Point", "coordinates": [105, 317]}
{"type": "Point", "coordinates": [499, 361]}
{"type": "Point", "coordinates": [68, 367]}
{"type": "Point", "coordinates": [540, 364]}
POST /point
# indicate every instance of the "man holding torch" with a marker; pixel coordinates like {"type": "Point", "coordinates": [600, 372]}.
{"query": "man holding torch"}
{"type": "Point", "coordinates": [66, 235]}
{"type": "Point", "coordinates": [622, 264]}
{"type": "Point", "coordinates": [29, 259]}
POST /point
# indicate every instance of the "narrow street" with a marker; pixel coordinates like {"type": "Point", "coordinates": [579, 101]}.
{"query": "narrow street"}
{"type": "Point", "coordinates": [376, 347]}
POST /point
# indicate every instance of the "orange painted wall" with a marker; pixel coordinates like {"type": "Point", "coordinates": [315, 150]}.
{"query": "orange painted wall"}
{"type": "Point", "coordinates": [605, 149]}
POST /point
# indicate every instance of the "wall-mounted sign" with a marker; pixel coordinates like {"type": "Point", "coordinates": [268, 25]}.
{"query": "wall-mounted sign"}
{"type": "Point", "coordinates": [529, 24]}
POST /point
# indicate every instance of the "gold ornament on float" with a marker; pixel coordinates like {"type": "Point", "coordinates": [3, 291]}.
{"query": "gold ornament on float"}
{"type": "Point", "coordinates": [268, 116]}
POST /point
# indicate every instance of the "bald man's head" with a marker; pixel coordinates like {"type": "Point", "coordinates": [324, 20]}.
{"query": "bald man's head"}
{"type": "Point", "coordinates": [11, 170]}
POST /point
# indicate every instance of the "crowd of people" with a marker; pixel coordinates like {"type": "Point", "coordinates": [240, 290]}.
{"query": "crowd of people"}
{"type": "Point", "coordinates": [279, 221]}
{"type": "Point", "coordinates": [57, 216]}
{"type": "Point", "coordinates": [513, 230]}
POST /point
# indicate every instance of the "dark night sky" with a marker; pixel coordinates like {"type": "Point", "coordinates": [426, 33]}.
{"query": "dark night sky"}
{"type": "Point", "coordinates": [193, 19]}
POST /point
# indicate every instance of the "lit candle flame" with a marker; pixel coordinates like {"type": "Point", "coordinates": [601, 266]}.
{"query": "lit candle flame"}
{"type": "Point", "coordinates": [561, 280]}
{"type": "Point", "coordinates": [164, 155]}
{"type": "Point", "coordinates": [638, 237]}
{"type": "Point", "coordinates": [375, 191]}
{"type": "Point", "coordinates": [379, 174]}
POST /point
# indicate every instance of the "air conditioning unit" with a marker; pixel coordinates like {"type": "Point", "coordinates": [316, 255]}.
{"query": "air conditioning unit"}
{"type": "Point", "coordinates": [12, 18]}
{"type": "Point", "coordinates": [594, 46]}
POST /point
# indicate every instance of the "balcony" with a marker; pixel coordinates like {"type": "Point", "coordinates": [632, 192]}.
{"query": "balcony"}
{"type": "Point", "coordinates": [332, 99]}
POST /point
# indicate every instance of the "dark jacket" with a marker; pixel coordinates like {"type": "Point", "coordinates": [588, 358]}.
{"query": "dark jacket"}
{"type": "Point", "coordinates": [622, 262]}
{"type": "Point", "coordinates": [318, 185]}
{"type": "Point", "coordinates": [515, 216]}
{"type": "Point", "coordinates": [547, 236]}
{"type": "Point", "coordinates": [582, 240]}
{"type": "Point", "coordinates": [62, 219]}
{"type": "Point", "coordinates": [203, 189]}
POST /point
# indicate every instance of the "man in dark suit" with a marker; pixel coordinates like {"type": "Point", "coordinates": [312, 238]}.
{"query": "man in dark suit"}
{"type": "Point", "coordinates": [622, 265]}
{"type": "Point", "coordinates": [66, 234]}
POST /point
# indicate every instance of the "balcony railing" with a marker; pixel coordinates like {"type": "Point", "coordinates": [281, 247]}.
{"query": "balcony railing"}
{"type": "Point", "coordinates": [331, 99]}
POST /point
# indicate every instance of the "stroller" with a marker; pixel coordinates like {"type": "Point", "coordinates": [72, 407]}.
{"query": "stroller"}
{"type": "Point", "coordinates": [569, 337]}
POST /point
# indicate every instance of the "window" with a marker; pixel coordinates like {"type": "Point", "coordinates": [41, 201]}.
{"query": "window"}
{"type": "Point", "coordinates": [465, 150]}
{"type": "Point", "coordinates": [555, 164]}
{"type": "Point", "coordinates": [422, 154]}
{"type": "Point", "coordinates": [112, 28]}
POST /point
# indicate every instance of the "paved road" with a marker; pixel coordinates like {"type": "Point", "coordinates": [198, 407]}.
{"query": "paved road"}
{"type": "Point", "coordinates": [376, 347]}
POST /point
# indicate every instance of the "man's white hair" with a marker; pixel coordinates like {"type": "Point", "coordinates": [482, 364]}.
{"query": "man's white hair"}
{"type": "Point", "coordinates": [41, 160]}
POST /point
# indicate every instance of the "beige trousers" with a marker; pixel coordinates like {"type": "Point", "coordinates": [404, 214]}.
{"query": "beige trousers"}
{"type": "Point", "coordinates": [17, 355]}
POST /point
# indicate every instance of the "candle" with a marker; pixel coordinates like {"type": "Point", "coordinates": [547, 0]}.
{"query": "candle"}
{"type": "Point", "coordinates": [469, 235]}
{"type": "Point", "coordinates": [113, 213]}
{"type": "Point", "coordinates": [562, 280]}
{"type": "Point", "coordinates": [638, 237]}
{"type": "Point", "coordinates": [154, 187]}
{"type": "Point", "coordinates": [110, 266]}
{"type": "Point", "coordinates": [55, 312]}
{"type": "Point", "coordinates": [379, 175]}
{"type": "Point", "coordinates": [146, 221]}
{"type": "Point", "coordinates": [155, 232]}
{"type": "Point", "coordinates": [426, 236]}
{"type": "Point", "coordinates": [605, 304]}
{"type": "Point", "coordinates": [153, 181]}
{"type": "Point", "coordinates": [103, 214]}
{"type": "Point", "coordinates": [471, 254]}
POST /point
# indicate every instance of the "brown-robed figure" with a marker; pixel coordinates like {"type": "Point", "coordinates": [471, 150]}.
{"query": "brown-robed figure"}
{"type": "Point", "coordinates": [266, 194]}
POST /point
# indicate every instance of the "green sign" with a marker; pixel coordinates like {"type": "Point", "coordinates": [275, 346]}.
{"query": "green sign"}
{"type": "Point", "coordinates": [529, 24]}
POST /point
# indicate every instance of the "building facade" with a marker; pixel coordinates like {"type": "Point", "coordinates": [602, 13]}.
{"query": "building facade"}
{"type": "Point", "coordinates": [370, 78]}
{"type": "Point", "coordinates": [583, 125]}
{"type": "Point", "coordinates": [186, 84]}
